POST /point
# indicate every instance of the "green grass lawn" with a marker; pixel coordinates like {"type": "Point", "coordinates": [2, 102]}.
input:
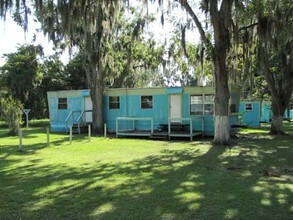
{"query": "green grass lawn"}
{"type": "Point", "coordinates": [143, 179]}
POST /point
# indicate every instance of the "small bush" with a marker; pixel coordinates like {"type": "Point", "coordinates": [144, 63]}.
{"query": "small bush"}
{"type": "Point", "coordinates": [11, 113]}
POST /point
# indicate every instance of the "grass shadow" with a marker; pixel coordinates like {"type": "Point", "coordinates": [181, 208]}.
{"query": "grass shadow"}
{"type": "Point", "coordinates": [194, 181]}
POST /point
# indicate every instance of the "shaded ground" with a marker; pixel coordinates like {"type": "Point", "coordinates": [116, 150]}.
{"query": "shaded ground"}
{"type": "Point", "coordinates": [142, 179]}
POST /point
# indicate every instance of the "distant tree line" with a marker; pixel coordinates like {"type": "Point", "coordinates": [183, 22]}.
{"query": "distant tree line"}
{"type": "Point", "coordinates": [27, 76]}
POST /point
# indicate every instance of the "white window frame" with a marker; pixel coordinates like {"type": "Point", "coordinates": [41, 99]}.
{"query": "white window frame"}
{"type": "Point", "coordinates": [246, 105]}
{"type": "Point", "coordinates": [196, 103]}
{"type": "Point", "coordinates": [209, 103]}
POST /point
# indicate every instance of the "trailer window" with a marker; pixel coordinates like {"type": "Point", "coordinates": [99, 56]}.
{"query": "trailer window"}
{"type": "Point", "coordinates": [62, 103]}
{"type": "Point", "coordinates": [202, 104]}
{"type": "Point", "coordinates": [114, 102]}
{"type": "Point", "coordinates": [209, 104]}
{"type": "Point", "coordinates": [146, 102]}
{"type": "Point", "coordinates": [248, 107]}
{"type": "Point", "coordinates": [196, 105]}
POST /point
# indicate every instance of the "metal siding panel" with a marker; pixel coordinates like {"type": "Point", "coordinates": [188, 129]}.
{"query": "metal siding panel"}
{"type": "Point", "coordinates": [161, 111]}
{"type": "Point", "coordinates": [75, 104]}
{"type": "Point", "coordinates": [130, 106]}
{"type": "Point", "coordinates": [209, 125]}
{"type": "Point", "coordinates": [250, 118]}
{"type": "Point", "coordinates": [185, 106]}
{"type": "Point", "coordinates": [174, 90]}
{"type": "Point", "coordinates": [266, 112]}
{"type": "Point", "coordinates": [53, 105]}
{"type": "Point", "coordinates": [112, 114]}
{"type": "Point", "coordinates": [199, 90]}
{"type": "Point", "coordinates": [85, 93]}
{"type": "Point", "coordinates": [135, 91]}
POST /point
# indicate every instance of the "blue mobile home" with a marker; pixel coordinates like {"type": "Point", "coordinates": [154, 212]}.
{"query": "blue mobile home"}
{"type": "Point", "coordinates": [148, 108]}
{"type": "Point", "coordinates": [250, 113]}
{"type": "Point", "coordinates": [256, 112]}
{"type": "Point", "coordinates": [65, 108]}
{"type": "Point", "coordinates": [163, 104]}
{"type": "Point", "coordinates": [266, 112]}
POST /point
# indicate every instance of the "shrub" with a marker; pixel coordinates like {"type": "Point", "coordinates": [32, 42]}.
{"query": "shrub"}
{"type": "Point", "coordinates": [11, 113]}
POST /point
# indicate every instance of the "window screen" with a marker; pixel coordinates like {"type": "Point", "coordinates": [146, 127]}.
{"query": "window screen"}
{"type": "Point", "coordinates": [209, 104]}
{"type": "Point", "coordinates": [196, 104]}
{"type": "Point", "coordinates": [248, 107]}
{"type": "Point", "coordinates": [62, 103]}
{"type": "Point", "coordinates": [146, 102]}
{"type": "Point", "coordinates": [114, 102]}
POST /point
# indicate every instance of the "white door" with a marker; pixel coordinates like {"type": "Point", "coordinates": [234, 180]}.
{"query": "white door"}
{"type": "Point", "coordinates": [175, 107]}
{"type": "Point", "coordinates": [88, 106]}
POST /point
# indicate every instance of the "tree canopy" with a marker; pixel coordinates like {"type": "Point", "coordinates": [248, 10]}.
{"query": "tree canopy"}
{"type": "Point", "coordinates": [114, 49]}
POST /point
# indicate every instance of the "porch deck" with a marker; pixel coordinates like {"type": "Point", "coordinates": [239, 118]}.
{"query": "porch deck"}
{"type": "Point", "coordinates": [159, 134]}
{"type": "Point", "coordinates": [177, 129]}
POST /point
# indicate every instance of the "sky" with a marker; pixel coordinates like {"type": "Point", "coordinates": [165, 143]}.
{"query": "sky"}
{"type": "Point", "coordinates": [12, 35]}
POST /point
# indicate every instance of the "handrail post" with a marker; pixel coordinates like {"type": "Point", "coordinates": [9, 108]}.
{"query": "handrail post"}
{"type": "Point", "coordinates": [117, 129]}
{"type": "Point", "coordinates": [169, 127]}
{"type": "Point", "coordinates": [202, 126]}
{"type": "Point", "coordinates": [191, 137]}
{"type": "Point", "coordinates": [20, 140]}
{"type": "Point", "coordinates": [90, 133]}
{"type": "Point", "coordinates": [70, 135]}
{"type": "Point", "coordinates": [48, 136]}
{"type": "Point", "coordinates": [105, 130]}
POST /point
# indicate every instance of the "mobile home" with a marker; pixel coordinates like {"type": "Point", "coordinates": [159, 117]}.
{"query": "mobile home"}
{"type": "Point", "coordinates": [144, 109]}
{"type": "Point", "coordinates": [68, 107]}
{"type": "Point", "coordinates": [250, 113]}
{"type": "Point", "coordinates": [266, 112]}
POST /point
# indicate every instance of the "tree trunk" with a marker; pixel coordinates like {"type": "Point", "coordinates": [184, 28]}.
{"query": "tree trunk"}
{"type": "Point", "coordinates": [277, 120]}
{"type": "Point", "coordinates": [280, 89]}
{"type": "Point", "coordinates": [220, 21]}
{"type": "Point", "coordinates": [97, 96]}
{"type": "Point", "coordinates": [96, 84]}
{"type": "Point", "coordinates": [222, 95]}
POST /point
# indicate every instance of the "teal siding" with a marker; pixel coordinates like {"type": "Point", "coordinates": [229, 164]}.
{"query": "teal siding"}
{"type": "Point", "coordinates": [186, 105]}
{"type": "Point", "coordinates": [266, 112]}
{"type": "Point", "coordinates": [130, 107]}
{"type": "Point", "coordinates": [174, 90]}
{"type": "Point", "coordinates": [75, 102]}
{"type": "Point", "coordinates": [250, 117]}
{"type": "Point", "coordinates": [208, 120]}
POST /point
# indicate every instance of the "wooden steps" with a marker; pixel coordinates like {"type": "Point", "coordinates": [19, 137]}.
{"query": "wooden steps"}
{"type": "Point", "coordinates": [159, 136]}
{"type": "Point", "coordinates": [83, 128]}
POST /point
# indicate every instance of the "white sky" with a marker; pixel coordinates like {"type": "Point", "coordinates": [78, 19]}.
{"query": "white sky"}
{"type": "Point", "coordinates": [12, 35]}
